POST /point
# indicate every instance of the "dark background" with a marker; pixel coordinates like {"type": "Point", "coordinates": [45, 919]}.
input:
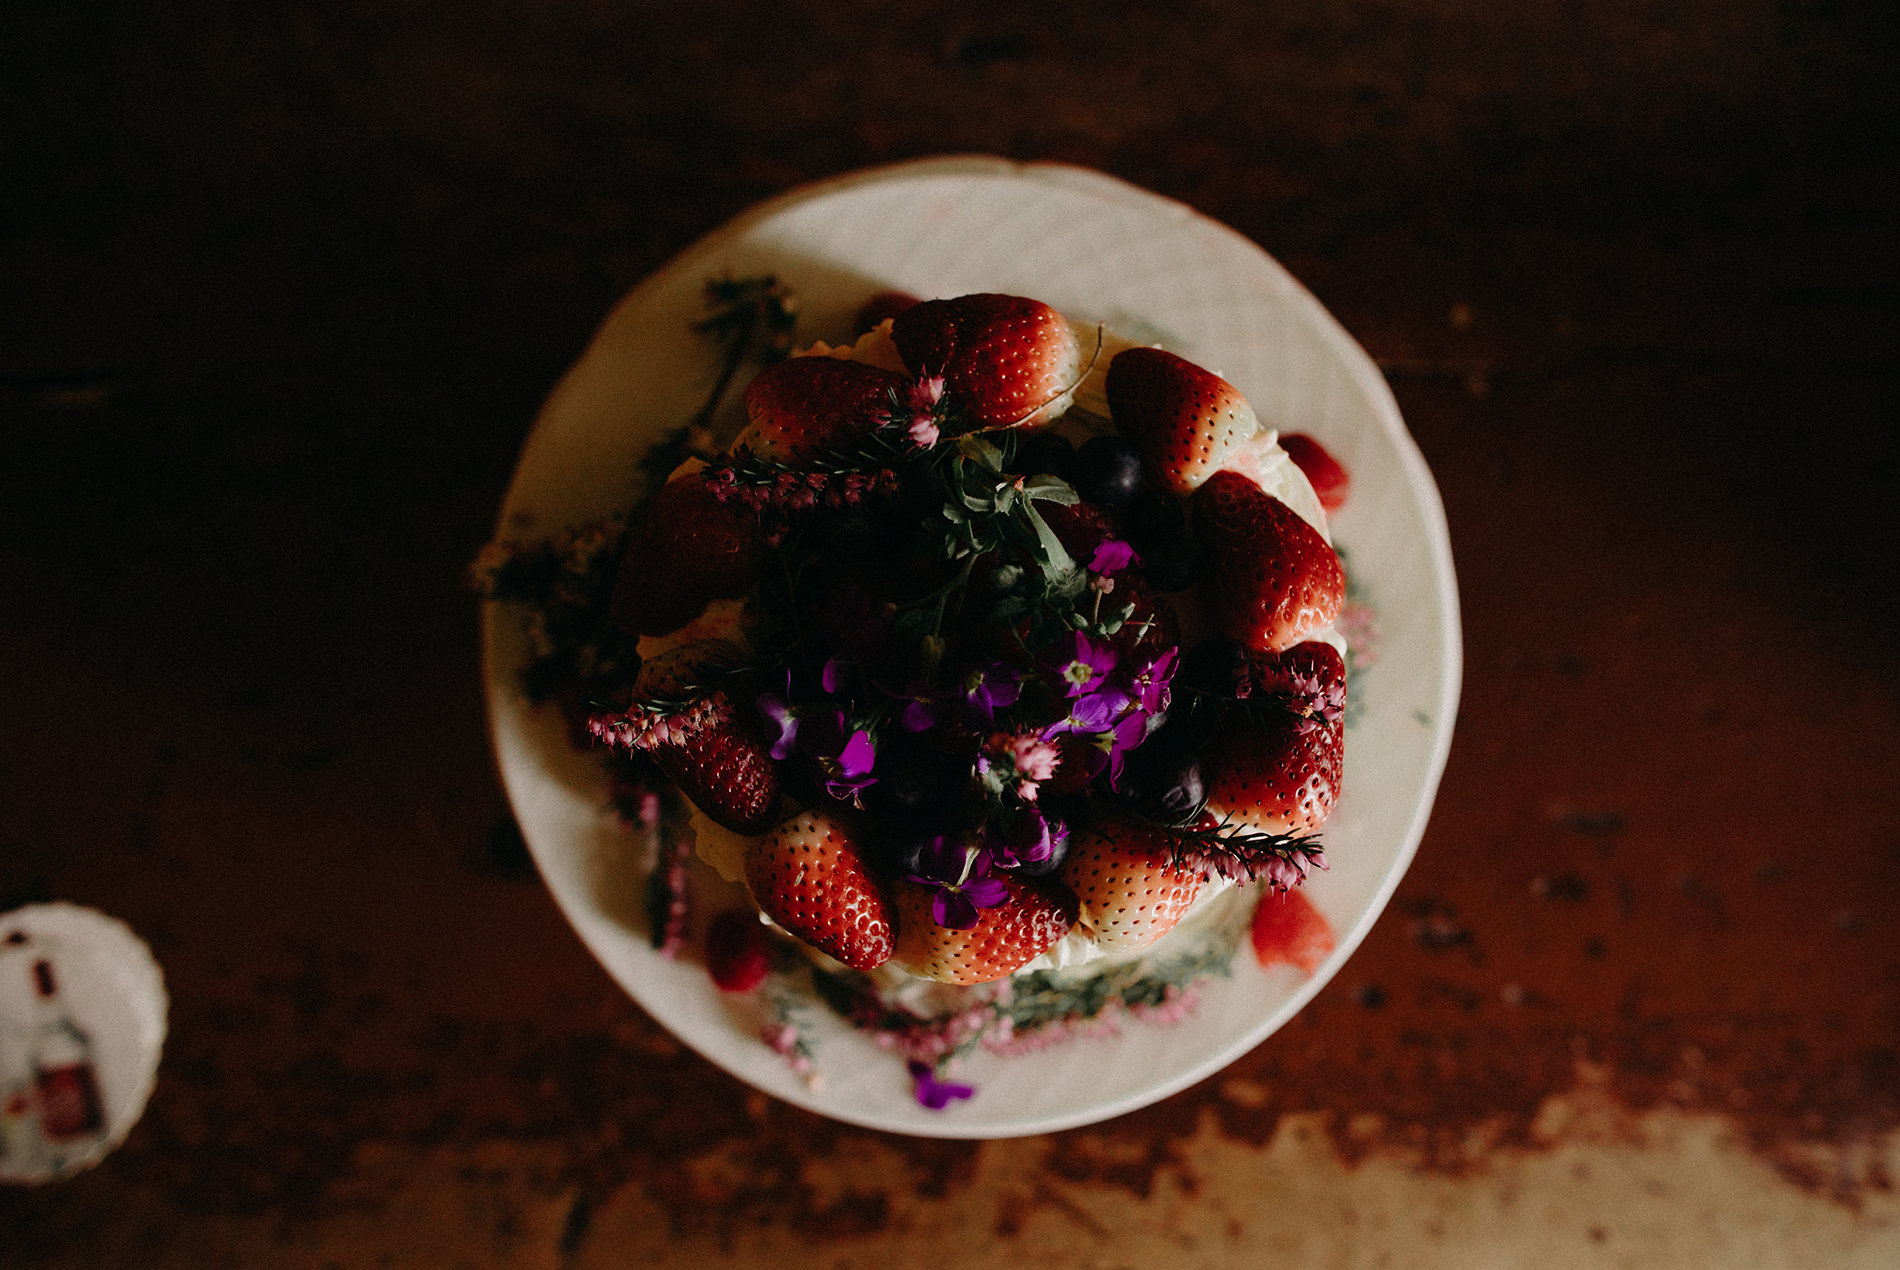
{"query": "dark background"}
{"type": "Point", "coordinates": [284, 283]}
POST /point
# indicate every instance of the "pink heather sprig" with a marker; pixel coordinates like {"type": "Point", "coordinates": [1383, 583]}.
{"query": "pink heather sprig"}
{"type": "Point", "coordinates": [763, 485]}
{"type": "Point", "coordinates": [1243, 855]}
{"type": "Point", "coordinates": [924, 400]}
{"type": "Point", "coordinates": [647, 727]}
{"type": "Point", "coordinates": [679, 903]}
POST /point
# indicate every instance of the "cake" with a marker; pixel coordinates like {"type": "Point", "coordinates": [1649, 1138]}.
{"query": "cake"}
{"type": "Point", "coordinates": [991, 647]}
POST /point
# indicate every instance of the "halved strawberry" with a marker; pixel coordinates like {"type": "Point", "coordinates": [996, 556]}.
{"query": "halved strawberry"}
{"type": "Point", "coordinates": [687, 550]}
{"type": "Point", "coordinates": [704, 748]}
{"type": "Point", "coordinates": [1323, 471]}
{"type": "Point", "coordinates": [1006, 360]}
{"type": "Point", "coordinates": [809, 876]}
{"type": "Point", "coordinates": [1282, 777]}
{"type": "Point", "coordinates": [1287, 928]}
{"type": "Point", "coordinates": [1128, 892]}
{"type": "Point", "coordinates": [1271, 579]}
{"type": "Point", "coordinates": [808, 406]}
{"type": "Point", "coordinates": [1186, 422]}
{"type": "Point", "coordinates": [1037, 913]}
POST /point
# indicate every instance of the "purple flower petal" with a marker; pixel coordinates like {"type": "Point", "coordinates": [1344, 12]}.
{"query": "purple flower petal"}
{"type": "Point", "coordinates": [859, 755]}
{"type": "Point", "coordinates": [919, 716]}
{"type": "Point", "coordinates": [933, 1093]}
{"type": "Point", "coordinates": [778, 713]}
{"type": "Point", "coordinates": [986, 892]}
{"type": "Point", "coordinates": [1112, 556]}
{"type": "Point", "coordinates": [952, 909]}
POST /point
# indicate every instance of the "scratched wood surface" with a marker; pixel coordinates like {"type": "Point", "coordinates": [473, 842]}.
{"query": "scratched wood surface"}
{"type": "Point", "coordinates": [286, 282]}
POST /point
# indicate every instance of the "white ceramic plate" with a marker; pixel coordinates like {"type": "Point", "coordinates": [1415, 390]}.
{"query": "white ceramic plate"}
{"type": "Point", "coordinates": [1099, 250]}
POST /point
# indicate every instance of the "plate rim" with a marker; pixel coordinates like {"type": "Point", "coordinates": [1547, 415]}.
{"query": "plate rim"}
{"type": "Point", "coordinates": [1364, 376]}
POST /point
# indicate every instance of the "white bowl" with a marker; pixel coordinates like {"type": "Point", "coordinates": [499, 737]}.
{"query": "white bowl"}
{"type": "Point", "coordinates": [1099, 250]}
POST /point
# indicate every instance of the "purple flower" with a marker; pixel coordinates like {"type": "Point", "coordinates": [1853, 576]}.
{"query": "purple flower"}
{"type": "Point", "coordinates": [1033, 839]}
{"type": "Point", "coordinates": [849, 774]}
{"type": "Point", "coordinates": [1152, 683]}
{"type": "Point", "coordinates": [920, 708]}
{"type": "Point", "coordinates": [933, 1093]}
{"type": "Point", "coordinates": [961, 880]}
{"type": "Point", "coordinates": [778, 712]}
{"type": "Point", "coordinates": [985, 691]}
{"type": "Point", "coordinates": [1091, 664]}
{"type": "Point", "coordinates": [1112, 556]}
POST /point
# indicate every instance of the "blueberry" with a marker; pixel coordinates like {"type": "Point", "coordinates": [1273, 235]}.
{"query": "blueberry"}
{"type": "Point", "coordinates": [1164, 780]}
{"type": "Point", "coordinates": [1044, 452]}
{"type": "Point", "coordinates": [1044, 867]}
{"type": "Point", "coordinates": [1174, 562]}
{"type": "Point", "coordinates": [1192, 719]}
{"type": "Point", "coordinates": [1214, 665]}
{"type": "Point", "coordinates": [1154, 516]}
{"type": "Point", "coordinates": [1107, 471]}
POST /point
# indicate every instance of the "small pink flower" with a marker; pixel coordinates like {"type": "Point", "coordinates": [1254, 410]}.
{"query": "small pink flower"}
{"type": "Point", "coordinates": [1035, 758]}
{"type": "Point", "coordinates": [924, 430]}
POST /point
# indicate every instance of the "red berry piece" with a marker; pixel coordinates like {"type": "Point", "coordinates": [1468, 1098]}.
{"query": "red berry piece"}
{"type": "Point", "coordinates": [737, 954]}
{"type": "Point", "coordinates": [1323, 471]}
{"type": "Point", "coordinates": [1288, 929]}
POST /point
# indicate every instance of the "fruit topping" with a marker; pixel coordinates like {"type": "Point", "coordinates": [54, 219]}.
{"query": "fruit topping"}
{"type": "Point", "coordinates": [1026, 920]}
{"type": "Point", "coordinates": [810, 877]}
{"type": "Point", "coordinates": [1323, 471]}
{"type": "Point", "coordinates": [687, 549]}
{"type": "Point", "coordinates": [1272, 579]}
{"type": "Point", "coordinates": [1275, 766]}
{"type": "Point", "coordinates": [1008, 361]}
{"type": "Point", "coordinates": [1130, 884]}
{"type": "Point", "coordinates": [806, 407]}
{"type": "Point", "coordinates": [1186, 422]}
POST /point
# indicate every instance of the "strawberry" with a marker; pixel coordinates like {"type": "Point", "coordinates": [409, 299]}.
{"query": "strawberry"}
{"type": "Point", "coordinates": [1026, 925]}
{"type": "Point", "coordinates": [1185, 422]}
{"type": "Point", "coordinates": [809, 406]}
{"type": "Point", "coordinates": [1271, 579]}
{"type": "Point", "coordinates": [1323, 472]}
{"type": "Point", "coordinates": [1282, 777]}
{"type": "Point", "coordinates": [1128, 891]}
{"type": "Point", "coordinates": [737, 955]}
{"type": "Point", "coordinates": [1286, 927]}
{"type": "Point", "coordinates": [1006, 361]}
{"type": "Point", "coordinates": [722, 767]}
{"type": "Point", "coordinates": [809, 876]}
{"type": "Point", "coordinates": [687, 550]}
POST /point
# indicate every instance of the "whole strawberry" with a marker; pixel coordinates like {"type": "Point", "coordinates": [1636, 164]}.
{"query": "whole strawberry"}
{"type": "Point", "coordinates": [809, 876]}
{"type": "Point", "coordinates": [687, 549]}
{"type": "Point", "coordinates": [806, 407]}
{"type": "Point", "coordinates": [1187, 423]}
{"type": "Point", "coordinates": [1128, 891]}
{"type": "Point", "coordinates": [721, 766]}
{"type": "Point", "coordinates": [1006, 360]}
{"type": "Point", "coordinates": [1276, 768]}
{"type": "Point", "coordinates": [1005, 937]}
{"type": "Point", "coordinates": [1271, 580]}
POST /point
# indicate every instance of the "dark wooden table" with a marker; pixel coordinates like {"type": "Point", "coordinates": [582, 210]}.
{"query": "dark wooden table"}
{"type": "Point", "coordinates": [286, 282]}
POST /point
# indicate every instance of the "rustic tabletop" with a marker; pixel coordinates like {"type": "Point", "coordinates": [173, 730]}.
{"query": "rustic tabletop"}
{"type": "Point", "coordinates": [288, 282]}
